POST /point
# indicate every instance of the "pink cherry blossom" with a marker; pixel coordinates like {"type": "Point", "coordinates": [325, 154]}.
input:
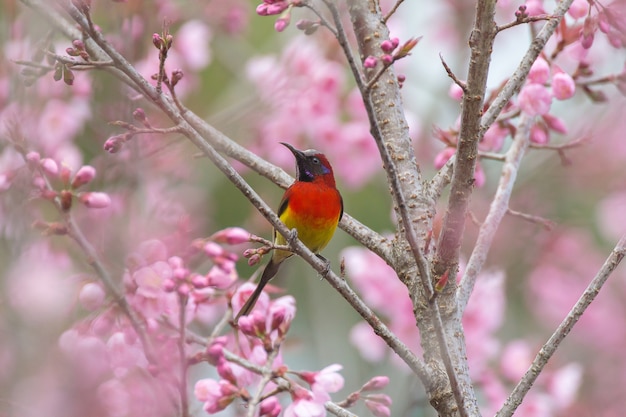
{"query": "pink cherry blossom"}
{"type": "Point", "coordinates": [243, 293]}
{"type": "Point", "coordinates": [534, 100]}
{"type": "Point", "coordinates": [49, 166]}
{"type": "Point", "coordinates": [328, 380]}
{"type": "Point", "coordinates": [378, 404]}
{"type": "Point", "coordinates": [193, 43]}
{"type": "Point", "coordinates": [305, 404]}
{"type": "Point", "coordinates": [554, 123]}
{"type": "Point", "coordinates": [95, 200]}
{"type": "Point", "coordinates": [232, 236]}
{"type": "Point", "coordinates": [538, 134]}
{"type": "Point", "coordinates": [534, 7]}
{"type": "Point", "coordinates": [370, 62]}
{"type": "Point", "coordinates": [494, 137]}
{"type": "Point", "coordinates": [539, 72]}
{"type": "Point", "coordinates": [221, 278]}
{"type": "Point", "coordinates": [91, 296]}
{"type": "Point", "coordinates": [270, 407]}
{"type": "Point", "coordinates": [215, 395]}
{"type": "Point", "coordinates": [563, 86]}
{"type": "Point", "coordinates": [578, 9]}
{"type": "Point", "coordinates": [443, 157]}
{"type": "Point", "coordinates": [376, 383]}
{"type": "Point", "coordinates": [84, 175]}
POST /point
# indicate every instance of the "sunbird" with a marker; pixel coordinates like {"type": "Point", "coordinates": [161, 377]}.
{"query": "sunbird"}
{"type": "Point", "coordinates": [312, 205]}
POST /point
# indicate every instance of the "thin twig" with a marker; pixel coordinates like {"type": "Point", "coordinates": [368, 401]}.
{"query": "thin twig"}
{"type": "Point", "coordinates": [547, 224]}
{"type": "Point", "coordinates": [231, 357]}
{"type": "Point", "coordinates": [525, 20]}
{"type": "Point", "coordinates": [497, 210]}
{"type": "Point", "coordinates": [342, 38]}
{"type": "Point", "coordinates": [323, 21]}
{"type": "Point", "coordinates": [392, 11]}
{"type": "Point", "coordinates": [453, 76]}
{"type": "Point", "coordinates": [441, 179]}
{"type": "Point", "coordinates": [548, 349]}
{"type": "Point", "coordinates": [562, 146]}
{"type": "Point", "coordinates": [491, 155]}
{"type": "Point", "coordinates": [374, 79]}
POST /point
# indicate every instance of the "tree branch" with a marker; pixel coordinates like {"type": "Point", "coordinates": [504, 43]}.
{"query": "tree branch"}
{"type": "Point", "coordinates": [337, 410]}
{"type": "Point", "coordinates": [383, 104]}
{"type": "Point", "coordinates": [497, 211]}
{"type": "Point", "coordinates": [548, 349]}
{"type": "Point", "coordinates": [481, 43]}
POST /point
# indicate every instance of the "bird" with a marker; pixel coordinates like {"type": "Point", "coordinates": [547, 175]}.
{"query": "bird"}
{"type": "Point", "coordinates": [312, 206]}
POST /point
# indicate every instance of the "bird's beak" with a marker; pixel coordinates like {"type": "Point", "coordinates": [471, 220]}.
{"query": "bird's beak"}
{"type": "Point", "coordinates": [296, 152]}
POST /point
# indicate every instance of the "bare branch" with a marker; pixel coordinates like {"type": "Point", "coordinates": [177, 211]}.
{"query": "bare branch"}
{"type": "Point", "coordinates": [451, 74]}
{"type": "Point", "coordinates": [392, 11]}
{"type": "Point", "coordinates": [441, 179]}
{"type": "Point", "coordinates": [491, 155]}
{"type": "Point", "coordinates": [525, 20]}
{"type": "Point", "coordinates": [548, 349]}
{"type": "Point", "coordinates": [547, 224]}
{"type": "Point", "coordinates": [481, 44]}
{"type": "Point", "coordinates": [497, 211]}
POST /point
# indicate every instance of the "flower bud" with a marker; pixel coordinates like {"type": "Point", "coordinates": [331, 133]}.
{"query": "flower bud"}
{"type": "Point", "coordinates": [95, 200]}
{"type": "Point", "coordinates": [282, 22]}
{"type": "Point", "coordinates": [33, 157]}
{"type": "Point", "coordinates": [65, 173]}
{"type": "Point", "coordinates": [232, 236]}
{"type": "Point", "coordinates": [157, 41]}
{"type": "Point", "coordinates": [49, 166]}
{"type": "Point", "coordinates": [563, 86]}
{"type": "Point", "coordinates": [83, 176]}
{"type": "Point", "coordinates": [91, 296]}
{"type": "Point", "coordinates": [376, 383]}
{"type": "Point", "coordinates": [370, 62]}
{"type": "Point", "coordinates": [387, 46]}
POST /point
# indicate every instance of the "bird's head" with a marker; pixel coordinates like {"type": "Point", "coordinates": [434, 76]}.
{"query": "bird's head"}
{"type": "Point", "coordinates": [311, 165]}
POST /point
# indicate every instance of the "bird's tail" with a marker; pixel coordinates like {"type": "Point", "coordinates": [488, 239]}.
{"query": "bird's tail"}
{"type": "Point", "coordinates": [268, 273]}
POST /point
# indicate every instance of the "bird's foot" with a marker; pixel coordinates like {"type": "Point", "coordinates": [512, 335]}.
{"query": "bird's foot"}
{"type": "Point", "coordinates": [293, 236]}
{"type": "Point", "coordinates": [326, 268]}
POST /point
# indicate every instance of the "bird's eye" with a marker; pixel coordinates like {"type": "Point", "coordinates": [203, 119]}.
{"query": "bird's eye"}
{"type": "Point", "coordinates": [315, 160]}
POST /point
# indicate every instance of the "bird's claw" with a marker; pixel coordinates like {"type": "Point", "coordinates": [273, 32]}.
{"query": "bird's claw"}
{"type": "Point", "coordinates": [293, 236]}
{"type": "Point", "coordinates": [326, 268]}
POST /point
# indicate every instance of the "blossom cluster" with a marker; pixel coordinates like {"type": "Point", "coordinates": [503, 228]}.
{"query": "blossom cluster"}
{"type": "Point", "coordinates": [555, 75]}
{"type": "Point", "coordinates": [482, 319]}
{"type": "Point", "coordinates": [308, 105]}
